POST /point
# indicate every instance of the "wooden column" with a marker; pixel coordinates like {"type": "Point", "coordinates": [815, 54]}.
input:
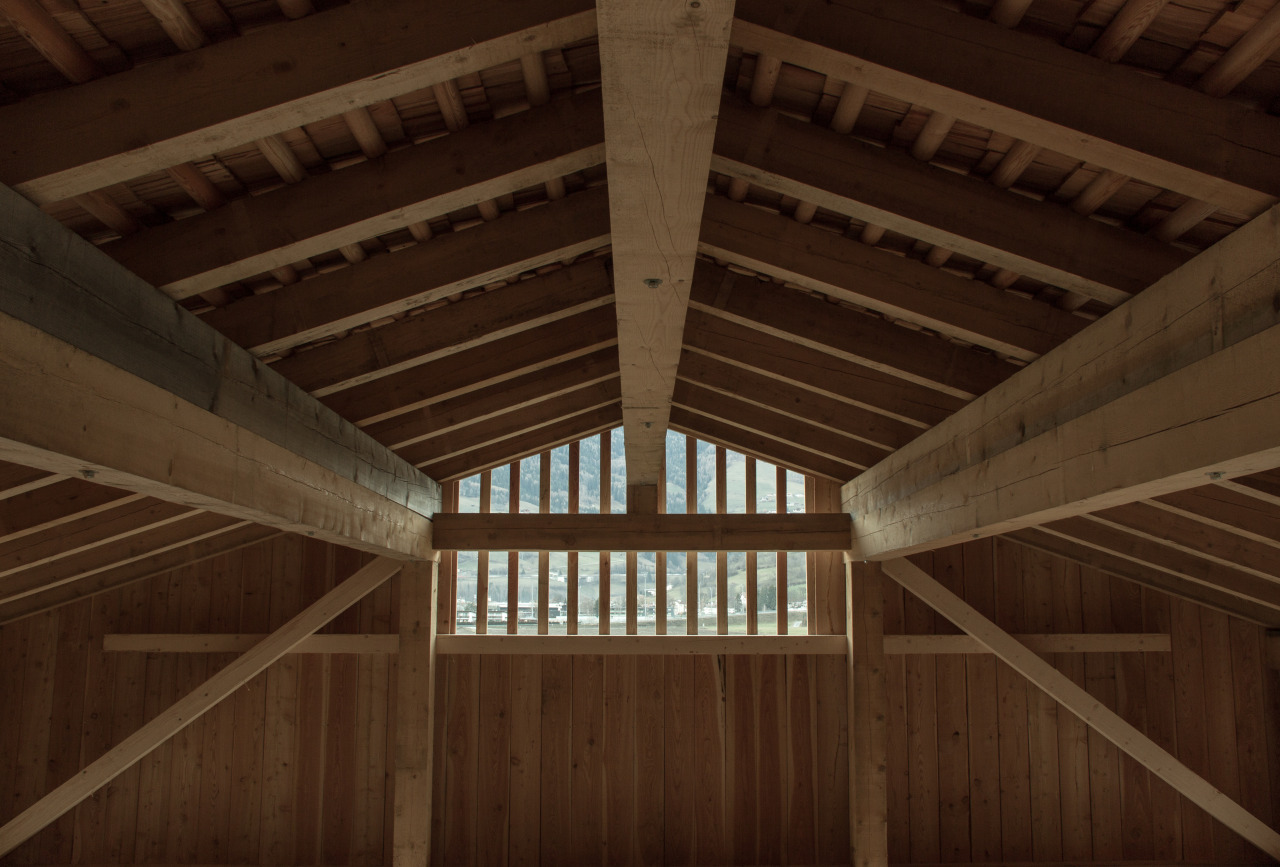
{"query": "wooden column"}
{"type": "Point", "coordinates": [868, 711]}
{"type": "Point", "coordinates": [419, 590]}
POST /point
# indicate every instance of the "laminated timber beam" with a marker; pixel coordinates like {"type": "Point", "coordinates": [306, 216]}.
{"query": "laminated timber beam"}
{"type": "Point", "coordinates": [188, 708]}
{"type": "Point", "coordinates": [1105, 114]}
{"type": "Point", "coordinates": [1090, 710]}
{"type": "Point", "coordinates": [898, 287]}
{"type": "Point", "coordinates": [254, 234]}
{"type": "Point", "coordinates": [264, 83]}
{"type": "Point", "coordinates": [529, 532]}
{"type": "Point", "coordinates": [964, 214]}
{"type": "Point", "coordinates": [329, 304]}
{"type": "Point", "coordinates": [1176, 388]}
{"type": "Point", "coordinates": [661, 67]}
{"type": "Point", "coordinates": [106, 378]}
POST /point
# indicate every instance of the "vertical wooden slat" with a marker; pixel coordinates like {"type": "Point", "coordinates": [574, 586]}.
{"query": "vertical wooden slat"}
{"type": "Point", "coordinates": [587, 783]}
{"type": "Point", "coordinates": [660, 566]}
{"type": "Point", "coordinates": [868, 715]}
{"type": "Point", "coordinates": [340, 803]}
{"type": "Point", "coordinates": [633, 593]}
{"type": "Point", "coordinates": [1104, 757]}
{"type": "Point", "coordinates": [121, 809]}
{"type": "Point", "coordinates": [780, 506]}
{"type": "Point", "coordinates": [1248, 677]}
{"type": "Point", "coordinates": [544, 558]}
{"type": "Point", "coordinates": [513, 557]}
{"type": "Point", "coordinates": [981, 680]}
{"type": "Point", "coordinates": [493, 762]}
{"type": "Point", "coordinates": [692, 605]}
{"type": "Point", "coordinates": [415, 693]}
{"type": "Point", "coordinates": [802, 847]}
{"type": "Point", "coordinates": [66, 722]}
{"type": "Point", "coordinates": [463, 781]}
{"type": "Point", "coordinates": [1223, 770]}
{"type": "Point", "coordinates": [899, 761]}
{"type": "Point", "coordinates": [753, 597]}
{"type": "Point", "coordinates": [318, 570]}
{"type": "Point", "coordinates": [95, 736]}
{"type": "Point", "coordinates": [650, 758]}
{"type": "Point", "coordinates": [742, 779]}
{"type": "Point", "coordinates": [1131, 704]}
{"type": "Point", "coordinates": [681, 747]}
{"type": "Point", "coordinates": [922, 729]}
{"type": "Point", "coordinates": [1040, 574]}
{"type": "Point", "coordinates": [709, 785]}
{"type": "Point", "coordinates": [277, 844]}
{"type": "Point", "coordinates": [1073, 734]}
{"type": "Point", "coordinates": [571, 560]}
{"type": "Point", "coordinates": [953, 726]}
{"type": "Point", "coordinates": [1015, 768]}
{"type": "Point", "coordinates": [250, 701]}
{"type": "Point", "coordinates": [771, 797]}
{"type": "Point", "coordinates": [482, 559]}
{"type": "Point", "coordinates": [556, 814]}
{"type": "Point", "coordinates": [526, 746]}
{"type": "Point", "coordinates": [1162, 717]}
{"type": "Point", "coordinates": [606, 507]}
{"type": "Point", "coordinates": [619, 758]}
{"type": "Point", "coordinates": [153, 781]}
{"type": "Point", "coordinates": [722, 558]}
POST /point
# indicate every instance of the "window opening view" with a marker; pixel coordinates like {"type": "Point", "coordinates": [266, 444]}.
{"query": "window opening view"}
{"type": "Point", "coordinates": [640, 592]}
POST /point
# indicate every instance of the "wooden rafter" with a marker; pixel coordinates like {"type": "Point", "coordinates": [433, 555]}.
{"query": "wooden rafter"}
{"type": "Point", "coordinates": [105, 377]}
{"type": "Point", "coordinates": [661, 68]}
{"type": "Point", "coordinates": [255, 234]}
{"type": "Point", "coordinates": [1173, 389]}
{"type": "Point", "coordinates": [1096, 715]}
{"type": "Point", "coordinates": [755, 444]}
{"type": "Point", "coordinates": [172, 720]}
{"type": "Point", "coordinates": [301, 71]}
{"type": "Point", "coordinates": [1041, 93]}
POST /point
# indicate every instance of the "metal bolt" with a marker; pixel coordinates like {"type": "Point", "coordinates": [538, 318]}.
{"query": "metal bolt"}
{"type": "Point", "coordinates": [1216, 475]}
{"type": "Point", "coordinates": [653, 282]}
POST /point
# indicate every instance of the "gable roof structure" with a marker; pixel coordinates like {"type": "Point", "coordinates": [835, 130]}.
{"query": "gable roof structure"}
{"type": "Point", "coordinates": [999, 269]}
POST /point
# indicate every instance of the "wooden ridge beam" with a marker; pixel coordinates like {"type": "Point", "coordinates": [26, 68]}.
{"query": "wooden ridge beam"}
{"type": "Point", "coordinates": [757, 445]}
{"type": "Point", "coordinates": [728, 408]}
{"type": "Point", "coordinates": [105, 376]}
{"type": "Point", "coordinates": [917, 357]}
{"type": "Point", "coordinates": [538, 436]}
{"type": "Point", "coordinates": [808, 407]}
{"type": "Point", "coordinates": [891, 189]}
{"type": "Point", "coordinates": [1068, 548]}
{"type": "Point", "coordinates": [1105, 114]}
{"type": "Point", "coordinates": [1174, 389]}
{"type": "Point", "coordinates": [641, 532]}
{"type": "Point", "coordinates": [814, 370]}
{"type": "Point", "coordinates": [488, 364]}
{"type": "Point", "coordinates": [254, 234]}
{"type": "Point", "coordinates": [661, 67]}
{"type": "Point", "coordinates": [897, 287]}
{"type": "Point", "coordinates": [188, 708]}
{"type": "Point", "coordinates": [374, 353]}
{"type": "Point", "coordinates": [328, 304]}
{"type": "Point", "coordinates": [264, 83]}
{"type": "Point", "coordinates": [1089, 709]}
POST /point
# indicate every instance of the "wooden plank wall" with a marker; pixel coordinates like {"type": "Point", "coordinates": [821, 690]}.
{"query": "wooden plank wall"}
{"type": "Point", "coordinates": [984, 767]}
{"type": "Point", "coordinates": [593, 760]}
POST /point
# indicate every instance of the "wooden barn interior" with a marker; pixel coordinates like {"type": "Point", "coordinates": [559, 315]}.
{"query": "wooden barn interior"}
{"type": "Point", "coordinates": [669, 432]}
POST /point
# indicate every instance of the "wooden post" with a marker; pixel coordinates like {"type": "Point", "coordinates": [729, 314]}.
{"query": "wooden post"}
{"type": "Point", "coordinates": [868, 711]}
{"type": "Point", "coordinates": [419, 589]}
{"type": "Point", "coordinates": [513, 557]}
{"type": "Point", "coordinates": [482, 559]}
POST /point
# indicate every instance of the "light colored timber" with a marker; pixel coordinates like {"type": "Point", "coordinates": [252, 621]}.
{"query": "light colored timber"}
{"type": "Point", "coordinates": [868, 709]}
{"type": "Point", "coordinates": [240, 643]}
{"type": "Point", "coordinates": [264, 83]}
{"type": "Point", "coordinates": [640, 645]}
{"type": "Point", "coordinates": [102, 374]}
{"type": "Point", "coordinates": [254, 234]}
{"type": "Point", "coordinates": [1124, 29]}
{"type": "Point", "coordinates": [46, 35]}
{"type": "Point", "coordinates": [332, 303]}
{"type": "Point", "coordinates": [964, 214]}
{"type": "Point", "coordinates": [1257, 44]}
{"type": "Point", "coordinates": [899, 287]}
{"type": "Point", "coordinates": [1102, 642]}
{"type": "Point", "coordinates": [1153, 398]}
{"type": "Point", "coordinates": [172, 720]}
{"type": "Point", "coordinates": [415, 714]}
{"type": "Point", "coordinates": [661, 67]}
{"type": "Point", "coordinates": [1089, 709]}
{"type": "Point", "coordinates": [1113, 117]}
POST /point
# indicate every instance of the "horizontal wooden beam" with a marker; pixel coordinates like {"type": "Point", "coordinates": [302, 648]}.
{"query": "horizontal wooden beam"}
{"type": "Point", "coordinates": [1089, 709]}
{"type": "Point", "coordinates": [641, 645]}
{"type": "Point", "coordinates": [106, 378]}
{"type": "Point", "coordinates": [263, 83]}
{"type": "Point", "coordinates": [241, 643]}
{"type": "Point", "coordinates": [897, 645]}
{"type": "Point", "coordinates": [1106, 114]}
{"type": "Point", "coordinates": [329, 304]}
{"type": "Point", "coordinates": [898, 287]}
{"type": "Point", "coordinates": [917, 357]}
{"type": "Point", "coordinates": [173, 719]}
{"type": "Point", "coordinates": [892, 189]}
{"type": "Point", "coordinates": [254, 234]}
{"type": "Point", "coordinates": [1174, 389]}
{"type": "Point", "coordinates": [641, 532]}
